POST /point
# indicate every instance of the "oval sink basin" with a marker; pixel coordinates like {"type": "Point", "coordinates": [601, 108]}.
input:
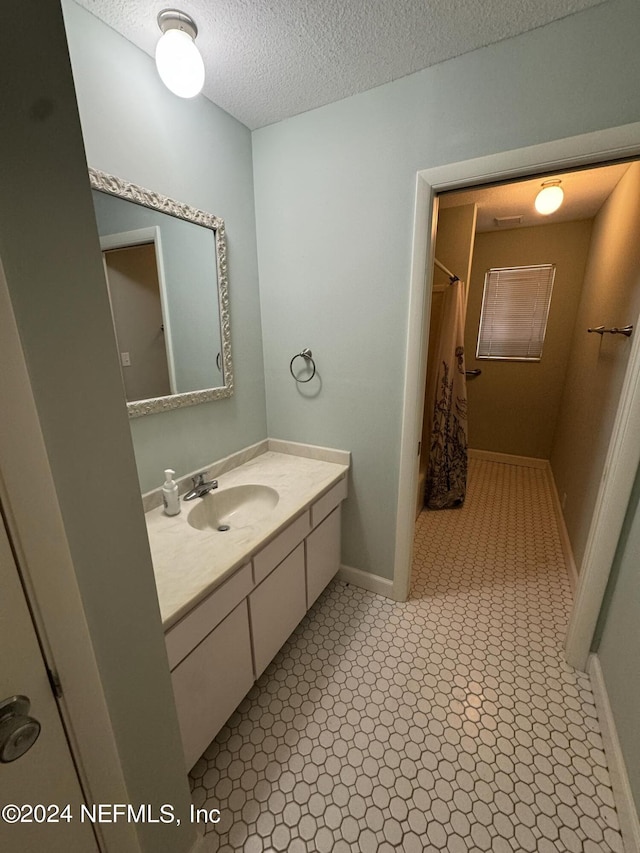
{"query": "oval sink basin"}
{"type": "Point", "coordinates": [233, 508]}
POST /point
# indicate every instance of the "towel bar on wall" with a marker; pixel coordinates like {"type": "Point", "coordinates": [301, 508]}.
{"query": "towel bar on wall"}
{"type": "Point", "coordinates": [625, 330]}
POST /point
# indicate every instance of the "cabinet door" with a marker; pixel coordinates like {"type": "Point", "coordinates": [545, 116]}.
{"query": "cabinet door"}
{"type": "Point", "coordinates": [265, 561]}
{"type": "Point", "coordinates": [211, 682]}
{"type": "Point", "coordinates": [333, 498]}
{"type": "Point", "coordinates": [323, 555]}
{"type": "Point", "coordinates": [276, 607]}
{"type": "Point", "coordinates": [183, 637]}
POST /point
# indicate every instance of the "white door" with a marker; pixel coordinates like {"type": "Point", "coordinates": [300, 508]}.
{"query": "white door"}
{"type": "Point", "coordinates": [44, 776]}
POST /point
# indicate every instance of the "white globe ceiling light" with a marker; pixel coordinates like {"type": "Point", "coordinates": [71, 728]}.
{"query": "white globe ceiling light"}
{"type": "Point", "coordinates": [549, 198]}
{"type": "Point", "coordinates": [178, 60]}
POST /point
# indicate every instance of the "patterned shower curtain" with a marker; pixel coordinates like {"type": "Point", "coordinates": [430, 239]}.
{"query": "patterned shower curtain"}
{"type": "Point", "coordinates": [447, 470]}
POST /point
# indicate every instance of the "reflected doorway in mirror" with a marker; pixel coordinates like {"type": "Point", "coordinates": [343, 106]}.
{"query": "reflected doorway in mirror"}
{"type": "Point", "coordinates": [137, 303]}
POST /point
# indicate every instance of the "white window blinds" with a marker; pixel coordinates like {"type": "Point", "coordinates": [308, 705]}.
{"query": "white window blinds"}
{"type": "Point", "coordinates": [515, 308]}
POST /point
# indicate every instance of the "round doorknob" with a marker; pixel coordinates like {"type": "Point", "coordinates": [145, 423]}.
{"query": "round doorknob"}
{"type": "Point", "coordinates": [18, 731]}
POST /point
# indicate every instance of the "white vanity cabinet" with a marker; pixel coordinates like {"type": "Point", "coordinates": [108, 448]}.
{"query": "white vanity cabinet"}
{"type": "Point", "coordinates": [265, 561]}
{"type": "Point", "coordinates": [218, 649]}
{"type": "Point", "coordinates": [211, 662]}
{"type": "Point", "coordinates": [322, 555]}
{"type": "Point", "coordinates": [276, 606]}
{"type": "Point", "coordinates": [211, 681]}
{"type": "Point", "coordinates": [183, 637]}
{"type": "Point", "coordinates": [291, 572]}
{"type": "Point", "coordinates": [322, 546]}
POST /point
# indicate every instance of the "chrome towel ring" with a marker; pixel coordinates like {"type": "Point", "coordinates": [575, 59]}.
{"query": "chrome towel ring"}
{"type": "Point", "coordinates": [307, 355]}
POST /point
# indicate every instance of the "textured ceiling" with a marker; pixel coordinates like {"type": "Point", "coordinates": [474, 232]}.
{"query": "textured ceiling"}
{"type": "Point", "coordinates": [270, 59]}
{"type": "Point", "coordinates": [585, 192]}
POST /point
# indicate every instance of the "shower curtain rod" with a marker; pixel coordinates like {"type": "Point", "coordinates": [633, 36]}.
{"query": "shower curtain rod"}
{"type": "Point", "coordinates": [452, 276]}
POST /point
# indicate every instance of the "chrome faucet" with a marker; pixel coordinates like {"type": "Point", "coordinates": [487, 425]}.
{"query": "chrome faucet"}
{"type": "Point", "coordinates": [201, 487]}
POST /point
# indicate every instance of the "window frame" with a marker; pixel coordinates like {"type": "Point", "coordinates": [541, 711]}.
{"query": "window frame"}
{"type": "Point", "coordinates": [551, 268]}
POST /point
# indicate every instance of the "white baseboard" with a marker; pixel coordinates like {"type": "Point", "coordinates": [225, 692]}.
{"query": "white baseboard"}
{"type": "Point", "coordinates": [625, 804]}
{"type": "Point", "coordinates": [365, 580]}
{"type": "Point", "coordinates": [565, 542]}
{"type": "Point", "coordinates": [507, 458]}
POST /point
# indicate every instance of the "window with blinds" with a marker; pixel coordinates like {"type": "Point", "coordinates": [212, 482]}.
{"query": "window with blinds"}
{"type": "Point", "coordinates": [515, 308]}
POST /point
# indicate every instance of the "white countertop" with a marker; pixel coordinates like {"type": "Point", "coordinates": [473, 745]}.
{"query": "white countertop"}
{"type": "Point", "coordinates": [188, 563]}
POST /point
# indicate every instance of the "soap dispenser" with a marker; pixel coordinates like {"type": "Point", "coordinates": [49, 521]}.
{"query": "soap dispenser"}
{"type": "Point", "coordinates": [170, 497]}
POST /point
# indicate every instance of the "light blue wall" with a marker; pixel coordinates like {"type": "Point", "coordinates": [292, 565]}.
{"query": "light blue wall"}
{"type": "Point", "coordinates": [334, 203]}
{"type": "Point", "coordinates": [194, 152]}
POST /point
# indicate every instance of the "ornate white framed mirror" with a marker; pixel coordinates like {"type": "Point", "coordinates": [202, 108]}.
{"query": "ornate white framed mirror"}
{"type": "Point", "coordinates": [166, 268]}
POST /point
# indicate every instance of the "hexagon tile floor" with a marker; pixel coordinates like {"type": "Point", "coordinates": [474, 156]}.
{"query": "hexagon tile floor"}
{"type": "Point", "coordinates": [448, 722]}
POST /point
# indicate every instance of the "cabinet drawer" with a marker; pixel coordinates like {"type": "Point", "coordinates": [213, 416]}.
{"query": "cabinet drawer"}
{"type": "Point", "coordinates": [211, 682]}
{"type": "Point", "coordinates": [284, 543]}
{"type": "Point", "coordinates": [186, 634]}
{"type": "Point", "coordinates": [321, 508]}
{"type": "Point", "coordinates": [276, 607]}
{"type": "Point", "coordinates": [323, 555]}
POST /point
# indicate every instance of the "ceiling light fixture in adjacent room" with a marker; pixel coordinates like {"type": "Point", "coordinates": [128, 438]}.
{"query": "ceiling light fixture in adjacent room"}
{"type": "Point", "coordinates": [549, 198]}
{"type": "Point", "coordinates": [178, 60]}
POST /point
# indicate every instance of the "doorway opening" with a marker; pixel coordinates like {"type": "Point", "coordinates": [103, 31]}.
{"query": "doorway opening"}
{"type": "Point", "coordinates": [540, 390]}
{"type": "Point", "coordinates": [623, 453]}
{"type": "Point", "coordinates": [136, 308]}
{"type": "Point", "coordinates": [137, 289]}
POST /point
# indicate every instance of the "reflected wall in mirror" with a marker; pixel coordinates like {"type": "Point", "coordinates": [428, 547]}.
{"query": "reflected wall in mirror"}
{"type": "Point", "coordinates": [166, 269]}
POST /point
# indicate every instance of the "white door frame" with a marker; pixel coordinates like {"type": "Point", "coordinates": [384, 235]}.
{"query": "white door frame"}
{"type": "Point", "coordinates": [36, 528]}
{"type": "Point", "coordinates": [623, 455]}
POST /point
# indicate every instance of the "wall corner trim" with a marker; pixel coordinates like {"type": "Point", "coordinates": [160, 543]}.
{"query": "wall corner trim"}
{"type": "Point", "coordinates": [366, 580]}
{"type": "Point", "coordinates": [625, 804]}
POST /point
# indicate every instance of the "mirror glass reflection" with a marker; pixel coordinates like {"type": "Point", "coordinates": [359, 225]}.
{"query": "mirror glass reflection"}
{"type": "Point", "coordinates": [167, 299]}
